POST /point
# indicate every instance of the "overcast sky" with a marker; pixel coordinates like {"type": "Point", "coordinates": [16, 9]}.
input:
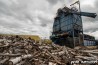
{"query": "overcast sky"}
{"type": "Point", "coordinates": [36, 16]}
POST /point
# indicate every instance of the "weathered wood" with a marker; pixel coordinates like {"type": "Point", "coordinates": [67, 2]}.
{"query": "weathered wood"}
{"type": "Point", "coordinates": [21, 63]}
{"type": "Point", "coordinates": [4, 46]}
{"type": "Point", "coordinates": [90, 51]}
{"type": "Point", "coordinates": [86, 58]}
{"type": "Point", "coordinates": [66, 51]}
{"type": "Point", "coordinates": [12, 55]}
{"type": "Point", "coordinates": [51, 63]}
{"type": "Point", "coordinates": [22, 51]}
{"type": "Point", "coordinates": [4, 60]}
{"type": "Point", "coordinates": [18, 59]}
{"type": "Point", "coordinates": [54, 57]}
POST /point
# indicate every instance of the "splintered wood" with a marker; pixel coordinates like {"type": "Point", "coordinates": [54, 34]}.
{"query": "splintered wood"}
{"type": "Point", "coordinates": [15, 50]}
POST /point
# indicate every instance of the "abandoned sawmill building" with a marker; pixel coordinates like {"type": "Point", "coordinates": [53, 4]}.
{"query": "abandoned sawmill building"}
{"type": "Point", "coordinates": [69, 20]}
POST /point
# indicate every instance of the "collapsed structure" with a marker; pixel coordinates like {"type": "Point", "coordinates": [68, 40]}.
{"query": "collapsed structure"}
{"type": "Point", "coordinates": [68, 28]}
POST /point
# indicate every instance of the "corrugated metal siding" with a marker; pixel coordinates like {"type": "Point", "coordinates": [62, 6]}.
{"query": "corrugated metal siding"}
{"type": "Point", "coordinates": [89, 43]}
{"type": "Point", "coordinates": [67, 23]}
{"type": "Point", "coordinates": [64, 23]}
{"type": "Point", "coordinates": [89, 40]}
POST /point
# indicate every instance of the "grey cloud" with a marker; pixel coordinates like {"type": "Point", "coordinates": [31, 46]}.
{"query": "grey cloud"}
{"type": "Point", "coordinates": [21, 16]}
{"type": "Point", "coordinates": [7, 24]}
{"type": "Point", "coordinates": [43, 25]}
{"type": "Point", "coordinates": [17, 15]}
{"type": "Point", "coordinates": [90, 26]}
{"type": "Point", "coordinates": [44, 21]}
{"type": "Point", "coordinates": [4, 9]}
{"type": "Point", "coordinates": [91, 30]}
{"type": "Point", "coordinates": [87, 20]}
{"type": "Point", "coordinates": [96, 3]}
{"type": "Point", "coordinates": [53, 2]}
{"type": "Point", "coordinates": [18, 11]}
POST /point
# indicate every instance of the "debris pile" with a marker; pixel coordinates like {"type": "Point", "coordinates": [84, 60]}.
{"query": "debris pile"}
{"type": "Point", "coordinates": [15, 50]}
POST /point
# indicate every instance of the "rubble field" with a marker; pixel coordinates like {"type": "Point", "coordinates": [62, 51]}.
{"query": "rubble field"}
{"type": "Point", "coordinates": [15, 50]}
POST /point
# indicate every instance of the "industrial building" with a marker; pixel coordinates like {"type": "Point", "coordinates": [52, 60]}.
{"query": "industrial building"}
{"type": "Point", "coordinates": [89, 40]}
{"type": "Point", "coordinates": [68, 28]}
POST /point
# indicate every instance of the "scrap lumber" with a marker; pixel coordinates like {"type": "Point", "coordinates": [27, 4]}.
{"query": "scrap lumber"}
{"type": "Point", "coordinates": [86, 58]}
{"type": "Point", "coordinates": [18, 59]}
{"type": "Point", "coordinates": [6, 54]}
{"type": "Point", "coordinates": [19, 51]}
{"type": "Point", "coordinates": [54, 57]}
{"type": "Point", "coordinates": [4, 60]}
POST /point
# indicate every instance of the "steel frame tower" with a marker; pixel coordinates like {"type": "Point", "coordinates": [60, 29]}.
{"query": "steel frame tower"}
{"type": "Point", "coordinates": [69, 20]}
